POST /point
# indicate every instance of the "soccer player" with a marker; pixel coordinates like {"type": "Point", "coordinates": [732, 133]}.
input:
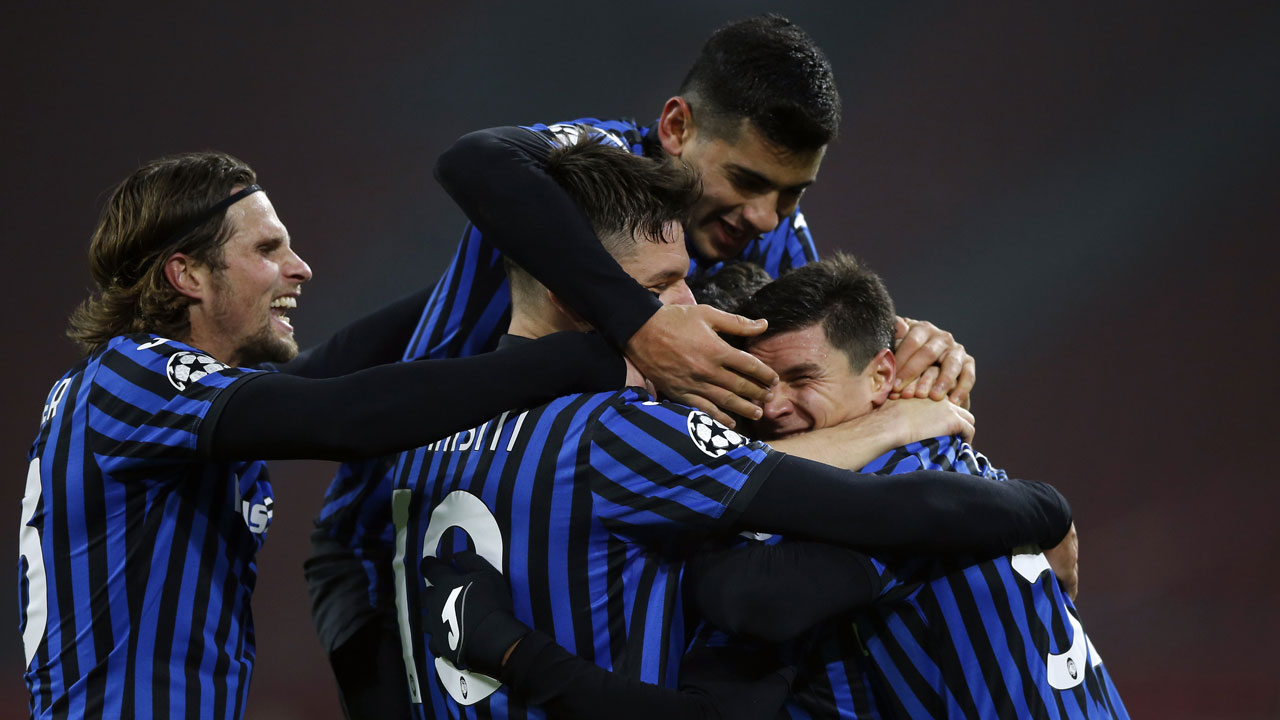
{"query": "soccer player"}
{"type": "Point", "coordinates": [146, 497]}
{"type": "Point", "coordinates": [954, 638]}
{"type": "Point", "coordinates": [753, 118]}
{"type": "Point", "coordinates": [589, 503]}
{"type": "Point", "coordinates": [945, 637]}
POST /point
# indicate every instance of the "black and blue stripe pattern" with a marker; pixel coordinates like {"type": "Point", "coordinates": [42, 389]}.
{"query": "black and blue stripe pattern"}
{"type": "Point", "coordinates": [959, 638]}
{"type": "Point", "coordinates": [138, 556]}
{"type": "Point", "coordinates": [588, 505]}
{"type": "Point", "coordinates": [466, 314]}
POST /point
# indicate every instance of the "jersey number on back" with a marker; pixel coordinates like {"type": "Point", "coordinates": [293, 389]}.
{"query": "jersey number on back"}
{"type": "Point", "coordinates": [1064, 670]}
{"type": "Point", "coordinates": [468, 513]}
{"type": "Point", "coordinates": [37, 609]}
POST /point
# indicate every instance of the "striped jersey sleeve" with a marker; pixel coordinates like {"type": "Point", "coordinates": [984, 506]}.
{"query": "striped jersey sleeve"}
{"type": "Point", "coordinates": [149, 399]}
{"type": "Point", "coordinates": [656, 463]}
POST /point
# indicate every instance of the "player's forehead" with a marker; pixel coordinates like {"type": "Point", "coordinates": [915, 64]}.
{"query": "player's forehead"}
{"type": "Point", "coordinates": [254, 218]}
{"type": "Point", "coordinates": [653, 263]}
{"type": "Point", "coordinates": [746, 151]}
{"type": "Point", "coordinates": [796, 350]}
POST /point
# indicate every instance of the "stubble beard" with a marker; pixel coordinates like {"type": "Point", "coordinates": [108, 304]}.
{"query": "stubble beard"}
{"type": "Point", "coordinates": [264, 345]}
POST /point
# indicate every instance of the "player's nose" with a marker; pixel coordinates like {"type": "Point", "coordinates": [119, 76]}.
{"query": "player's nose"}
{"type": "Point", "coordinates": [761, 212]}
{"type": "Point", "coordinates": [778, 407]}
{"type": "Point", "coordinates": [680, 294]}
{"type": "Point", "coordinates": [297, 269]}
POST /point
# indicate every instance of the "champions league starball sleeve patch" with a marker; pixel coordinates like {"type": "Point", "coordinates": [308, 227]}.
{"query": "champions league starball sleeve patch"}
{"type": "Point", "coordinates": [188, 367]}
{"type": "Point", "coordinates": [710, 436]}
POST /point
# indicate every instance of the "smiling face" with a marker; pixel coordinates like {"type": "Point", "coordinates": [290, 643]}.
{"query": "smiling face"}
{"type": "Point", "coordinates": [660, 267]}
{"type": "Point", "coordinates": [242, 317]}
{"type": "Point", "coordinates": [817, 387]}
{"type": "Point", "coordinates": [748, 184]}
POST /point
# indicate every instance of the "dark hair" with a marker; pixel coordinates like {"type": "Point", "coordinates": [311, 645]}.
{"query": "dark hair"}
{"type": "Point", "coordinates": [771, 72]}
{"type": "Point", "coordinates": [731, 286]}
{"type": "Point", "coordinates": [849, 300]}
{"type": "Point", "coordinates": [623, 195]}
{"type": "Point", "coordinates": [145, 221]}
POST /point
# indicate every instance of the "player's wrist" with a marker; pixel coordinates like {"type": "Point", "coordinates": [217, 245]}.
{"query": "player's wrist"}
{"type": "Point", "coordinates": [493, 640]}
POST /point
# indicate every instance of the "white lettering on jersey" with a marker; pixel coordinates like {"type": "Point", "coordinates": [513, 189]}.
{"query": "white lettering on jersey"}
{"type": "Point", "coordinates": [257, 515]}
{"type": "Point", "coordinates": [55, 400]}
{"type": "Point", "coordinates": [473, 439]}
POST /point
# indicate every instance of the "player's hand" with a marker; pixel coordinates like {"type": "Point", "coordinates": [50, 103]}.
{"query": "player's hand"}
{"type": "Point", "coordinates": [921, 346]}
{"type": "Point", "coordinates": [920, 419]}
{"type": "Point", "coordinates": [467, 611]}
{"type": "Point", "coordinates": [680, 351]}
{"type": "Point", "coordinates": [1064, 558]}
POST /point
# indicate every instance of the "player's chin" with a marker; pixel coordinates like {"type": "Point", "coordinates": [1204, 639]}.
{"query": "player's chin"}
{"type": "Point", "coordinates": [269, 349]}
{"type": "Point", "coordinates": [707, 243]}
{"type": "Point", "coordinates": [766, 430]}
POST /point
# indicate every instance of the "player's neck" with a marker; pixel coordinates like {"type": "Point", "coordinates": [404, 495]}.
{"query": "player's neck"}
{"type": "Point", "coordinates": [537, 324]}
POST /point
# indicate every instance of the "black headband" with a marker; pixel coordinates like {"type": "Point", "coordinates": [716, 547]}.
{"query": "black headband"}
{"type": "Point", "coordinates": [132, 275]}
{"type": "Point", "coordinates": [217, 209]}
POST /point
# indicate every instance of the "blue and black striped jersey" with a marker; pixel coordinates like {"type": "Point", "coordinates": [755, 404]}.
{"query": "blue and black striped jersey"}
{"type": "Point", "coordinates": [469, 309]}
{"type": "Point", "coordinates": [958, 638]}
{"type": "Point", "coordinates": [588, 505]}
{"type": "Point", "coordinates": [137, 556]}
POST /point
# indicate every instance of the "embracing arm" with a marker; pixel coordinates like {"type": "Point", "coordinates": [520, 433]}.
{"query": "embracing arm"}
{"type": "Point", "coordinates": [498, 178]}
{"type": "Point", "coordinates": [772, 593]}
{"type": "Point", "coordinates": [925, 511]}
{"type": "Point", "coordinates": [931, 363]}
{"type": "Point", "coordinates": [393, 407]}
{"type": "Point", "coordinates": [467, 613]}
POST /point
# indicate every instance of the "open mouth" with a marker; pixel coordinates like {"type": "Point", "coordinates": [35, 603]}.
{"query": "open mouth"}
{"type": "Point", "coordinates": [280, 306]}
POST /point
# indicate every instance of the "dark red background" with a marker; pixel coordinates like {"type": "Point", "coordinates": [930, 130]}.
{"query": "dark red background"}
{"type": "Point", "coordinates": [1085, 193]}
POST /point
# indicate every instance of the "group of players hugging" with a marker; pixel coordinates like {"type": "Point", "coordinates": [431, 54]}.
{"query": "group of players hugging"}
{"type": "Point", "coordinates": [568, 489]}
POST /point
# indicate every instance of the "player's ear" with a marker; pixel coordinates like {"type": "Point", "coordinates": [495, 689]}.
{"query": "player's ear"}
{"type": "Point", "coordinates": [883, 370]}
{"type": "Point", "coordinates": [675, 126]}
{"type": "Point", "coordinates": [186, 275]}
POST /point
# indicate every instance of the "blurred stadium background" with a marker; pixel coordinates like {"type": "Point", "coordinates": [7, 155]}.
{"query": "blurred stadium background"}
{"type": "Point", "coordinates": [1086, 194]}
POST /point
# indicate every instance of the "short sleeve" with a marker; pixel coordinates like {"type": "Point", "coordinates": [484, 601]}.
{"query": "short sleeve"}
{"type": "Point", "coordinates": [149, 398]}
{"type": "Point", "coordinates": [663, 465]}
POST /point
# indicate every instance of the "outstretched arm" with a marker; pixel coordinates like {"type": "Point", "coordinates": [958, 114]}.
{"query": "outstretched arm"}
{"type": "Point", "coordinates": [394, 407]}
{"type": "Point", "coordinates": [497, 177]}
